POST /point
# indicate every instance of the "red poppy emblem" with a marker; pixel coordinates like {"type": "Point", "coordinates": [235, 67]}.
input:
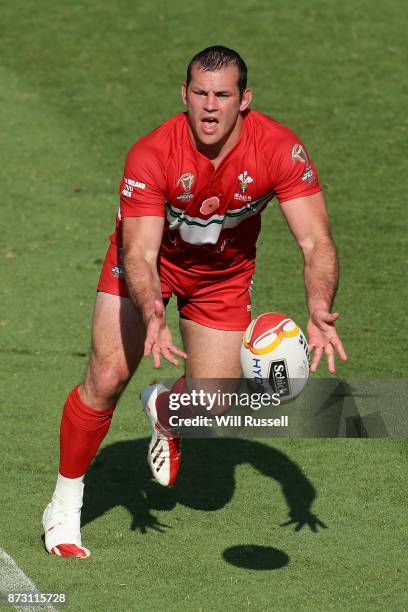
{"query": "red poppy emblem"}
{"type": "Point", "coordinates": [209, 206]}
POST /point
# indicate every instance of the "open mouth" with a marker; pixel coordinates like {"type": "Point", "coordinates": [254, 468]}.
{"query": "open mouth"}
{"type": "Point", "coordinates": [209, 125]}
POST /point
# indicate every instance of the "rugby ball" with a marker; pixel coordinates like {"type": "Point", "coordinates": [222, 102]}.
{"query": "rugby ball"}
{"type": "Point", "coordinates": [274, 356]}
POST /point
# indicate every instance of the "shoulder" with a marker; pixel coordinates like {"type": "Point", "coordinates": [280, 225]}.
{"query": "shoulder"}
{"type": "Point", "coordinates": [270, 134]}
{"type": "Point", "coordinates": [159, 143]}
{"type": "Point", "coordinates": [148, 159]}
{"type": "Point", "coordinates": [292, 172]}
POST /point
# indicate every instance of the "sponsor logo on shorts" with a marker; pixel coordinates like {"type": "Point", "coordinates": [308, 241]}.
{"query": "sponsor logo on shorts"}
{"type": "Point", "coordinates": [223, 244]}
{"type": "Point", "coordinates": [130, 184]}
{"type": "Point", "coordinates": [118, 272]}
{"type": "Point", "coordinates": [250, 289]}
{"type": "Point", "coordinates": [245, 180]}
{"type": "Point", "coordinates": [278, 377]}
{"type": "Point", "coordinates": [172, 236]}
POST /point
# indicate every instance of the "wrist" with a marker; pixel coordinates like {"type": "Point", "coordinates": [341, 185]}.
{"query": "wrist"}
{"type": "Point", "coordinates": [318, 305]}
{"type": "Point", "coordinates": [145, 309]}
{"type": "Point", "coordinates": [148, 312]}
{"type": "Point", "coordinates": [153, 309]}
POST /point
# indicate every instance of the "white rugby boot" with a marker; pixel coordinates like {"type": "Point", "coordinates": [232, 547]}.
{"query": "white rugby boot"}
{"type": "Point", "coordinates": [164, 455]}
{"type": "Point", "coordinates": [62, 522]}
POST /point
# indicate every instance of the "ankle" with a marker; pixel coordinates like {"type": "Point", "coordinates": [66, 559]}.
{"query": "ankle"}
{"type": "Point", "coordinates": [69, 490]}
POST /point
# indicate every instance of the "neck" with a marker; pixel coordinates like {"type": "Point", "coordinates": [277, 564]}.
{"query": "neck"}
{"type": "Point", "coordinates": [216, 152]}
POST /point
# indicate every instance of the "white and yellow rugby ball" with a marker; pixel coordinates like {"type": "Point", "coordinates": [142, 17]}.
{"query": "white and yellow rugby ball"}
{"type": "Point", "coordinates": [274, 356]}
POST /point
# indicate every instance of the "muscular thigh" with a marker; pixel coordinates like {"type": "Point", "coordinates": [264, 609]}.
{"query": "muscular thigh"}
{"type": "Point", "coordinates": [213, 363]}
{"type": "Point", "coordinates": [117, 346]}
{"type": "Point", "coordinates": [212, 353]}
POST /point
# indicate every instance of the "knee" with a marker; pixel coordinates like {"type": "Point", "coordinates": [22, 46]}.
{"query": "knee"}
{"type": "Point", "coordinates": [104, 382]}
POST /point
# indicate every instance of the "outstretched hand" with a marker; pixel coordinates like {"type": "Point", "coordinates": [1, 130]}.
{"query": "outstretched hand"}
{"type": "Point", "coordinates": [143, 523]}
{"type": "Point", "coordinates": [308, 519]}
{"type": "Point", "coordinates": [323, 338]}
{"type": "Point", "coordinates": [158, 340]}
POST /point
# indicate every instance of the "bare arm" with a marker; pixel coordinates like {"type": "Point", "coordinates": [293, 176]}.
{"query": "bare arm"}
{"type": "Point", "coordinates": [308, 220]}
{"type": "Point", "coordinates": [309, 223]}
{"type": "Point", "coordinates": [141, 242]}
{"type": "Point", "coordinates": [142, 237]}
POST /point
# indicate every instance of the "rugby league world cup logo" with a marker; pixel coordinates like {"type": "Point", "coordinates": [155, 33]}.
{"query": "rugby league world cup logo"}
{"type": "Point", "coordinates": [186, 181]}
{"type": "Point", "coordinates": [299, 154]}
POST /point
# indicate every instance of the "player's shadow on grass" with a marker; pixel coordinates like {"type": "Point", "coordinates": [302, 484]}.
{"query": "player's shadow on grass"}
{"type": "Point", "coordinates": [120, 477]}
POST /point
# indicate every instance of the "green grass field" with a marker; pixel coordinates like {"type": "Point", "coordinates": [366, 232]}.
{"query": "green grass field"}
{"type": "Point", "coordinates": [79, 83]}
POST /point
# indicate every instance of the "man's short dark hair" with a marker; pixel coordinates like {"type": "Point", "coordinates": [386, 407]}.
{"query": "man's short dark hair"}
{"type": "Point", "coordinates": [215, 58]}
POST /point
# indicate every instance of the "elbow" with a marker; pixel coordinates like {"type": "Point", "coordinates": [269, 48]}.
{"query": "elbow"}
{"type": "Point", "coordinates": [312, 245]}
{"type": "Point", "coordinates": [307, 246]}
{"type": "Point", "coordinates": [135, 256]}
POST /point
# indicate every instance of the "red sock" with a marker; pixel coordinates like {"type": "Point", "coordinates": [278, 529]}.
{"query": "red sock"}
{"type": "Point", "coordinates": [82, 431]}
{"type": "Point", "coordinates": [162, 404]}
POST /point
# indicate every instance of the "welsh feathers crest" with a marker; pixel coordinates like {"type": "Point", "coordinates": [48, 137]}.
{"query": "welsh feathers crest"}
{"type": "Point", "coordinates": [245, 180]}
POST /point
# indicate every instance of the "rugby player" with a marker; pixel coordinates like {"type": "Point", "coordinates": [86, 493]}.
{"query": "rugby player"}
{"type": "Point", "coordinates": [190, 204]}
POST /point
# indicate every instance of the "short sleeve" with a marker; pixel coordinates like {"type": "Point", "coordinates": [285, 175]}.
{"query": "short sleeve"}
{"type": "Point", "coordinates": [295, 173]}
{"type": "Point", "coordinates": [142, 187]}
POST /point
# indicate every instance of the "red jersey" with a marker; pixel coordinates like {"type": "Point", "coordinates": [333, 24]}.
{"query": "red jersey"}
{"type": "Point", "coordinates": [212, 216]}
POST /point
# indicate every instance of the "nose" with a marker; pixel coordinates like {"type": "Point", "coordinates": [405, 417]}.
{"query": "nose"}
{"type": "Point", "coordinates": [210, 103]}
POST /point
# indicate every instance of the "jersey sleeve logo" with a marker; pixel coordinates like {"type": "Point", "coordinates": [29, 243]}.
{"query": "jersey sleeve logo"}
{"type": "Point", "coordinates": [129, 185]}
{"type": "Point", "coordinates": [300, 155]}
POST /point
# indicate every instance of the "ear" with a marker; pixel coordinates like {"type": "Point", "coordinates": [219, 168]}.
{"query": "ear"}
{"type": "Point", "coordinates": [184, 92]}
{"type": "Point", "coordinates": [246, 100]}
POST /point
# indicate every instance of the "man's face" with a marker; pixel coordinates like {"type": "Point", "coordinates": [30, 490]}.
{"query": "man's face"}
{"type": "Point", "coordinates": [214, 104]}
